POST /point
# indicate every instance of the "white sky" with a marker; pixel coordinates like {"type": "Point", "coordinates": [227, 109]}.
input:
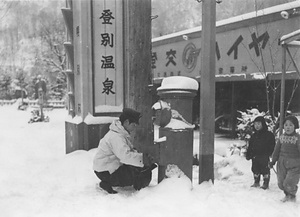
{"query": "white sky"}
{"type": "Point", "coordinates": [37, 178]}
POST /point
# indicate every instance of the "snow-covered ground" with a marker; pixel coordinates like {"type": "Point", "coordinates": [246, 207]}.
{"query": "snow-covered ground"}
{"type": "Point", "coordinates": [37, 178]}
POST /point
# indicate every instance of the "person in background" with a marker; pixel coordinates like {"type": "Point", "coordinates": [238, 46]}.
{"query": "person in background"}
{"type": "Point", "coordinates": [40, 87]}
{"type": "Point", "coordinates": [261, 146]}
{"type": "Point", "coordinates": [287, 156]}
{"type": "Point", "coordinates": [116, 162]}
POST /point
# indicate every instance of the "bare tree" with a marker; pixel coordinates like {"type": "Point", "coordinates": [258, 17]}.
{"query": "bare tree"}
{"type": "Point", "coordinates": [52, 34]}
{"type": "Point", "coordinates": [272, 53]}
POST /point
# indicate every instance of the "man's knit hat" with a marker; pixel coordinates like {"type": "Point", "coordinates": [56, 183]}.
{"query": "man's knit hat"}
{"type": "Point", "coordinates": [293, 119]}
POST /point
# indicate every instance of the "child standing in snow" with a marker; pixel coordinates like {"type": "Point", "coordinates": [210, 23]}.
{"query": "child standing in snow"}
{"type": "Point", "coordinates": [261, 146]}
{"type": "Point", "coordinates": [287, 156]}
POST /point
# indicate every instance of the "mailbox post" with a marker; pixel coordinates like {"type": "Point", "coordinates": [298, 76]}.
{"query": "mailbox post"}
{"type": "Point", "coordinates": [178, 92]}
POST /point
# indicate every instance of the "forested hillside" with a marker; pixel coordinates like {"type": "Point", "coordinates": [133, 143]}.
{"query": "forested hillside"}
{"type": "Point", "coordinates": [32, 33]}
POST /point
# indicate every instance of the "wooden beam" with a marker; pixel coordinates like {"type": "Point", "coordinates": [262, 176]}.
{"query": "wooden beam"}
{"type": "Point", "coordinates": [69, 47]}
{"type": "Point", "coordinates": [137, 66]}
{"type": "Point", "coordinates": [282, 92]}
{"type": "Point", "coordinates": [68, 17]}
{"type": "Point", "coordinates": [207, 91]}
{"type": "Point", "coordinates": [294, 44]}
{"type": "Point", "coordinates": [233, 110]}
{"type": "Point", "coordinates": [290, 37]}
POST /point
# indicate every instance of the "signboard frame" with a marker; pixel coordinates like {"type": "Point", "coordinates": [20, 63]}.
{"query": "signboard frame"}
{"type": "Point", "coordinates": [107, 57]}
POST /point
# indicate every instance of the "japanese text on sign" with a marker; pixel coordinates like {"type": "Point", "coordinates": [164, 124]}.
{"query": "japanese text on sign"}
{"type": "Point", "coordinates": [108, 55]}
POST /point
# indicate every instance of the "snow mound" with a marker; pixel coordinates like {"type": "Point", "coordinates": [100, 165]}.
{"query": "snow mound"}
{"type": "Point", "coordinates": [174, 171]}
{"type": "Point", "coordinates": [225, 168]}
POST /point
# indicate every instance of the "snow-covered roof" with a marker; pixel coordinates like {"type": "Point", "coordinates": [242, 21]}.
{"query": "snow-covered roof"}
{"type": "Point", "coordinates": [244, 76]}
{"type": "Point", "coordinates": [236, 19]}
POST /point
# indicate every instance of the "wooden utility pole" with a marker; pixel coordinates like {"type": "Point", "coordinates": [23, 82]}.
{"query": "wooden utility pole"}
{"type": "Point", "coordinates": [282, 92]}
{"type": "Point", "coordinates": [137, 66]}
{"type": "Point", "coordinates": [233, 110]}
{"type": "Point", "coordinates": [207, 91]}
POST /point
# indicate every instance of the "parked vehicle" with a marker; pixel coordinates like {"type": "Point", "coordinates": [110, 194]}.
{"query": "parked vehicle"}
{"type": "Point", "coordinates": [223, 124]}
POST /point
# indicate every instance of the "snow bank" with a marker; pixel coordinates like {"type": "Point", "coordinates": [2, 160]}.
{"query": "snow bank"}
{"type": "Point", "coordinates": [39, 180]}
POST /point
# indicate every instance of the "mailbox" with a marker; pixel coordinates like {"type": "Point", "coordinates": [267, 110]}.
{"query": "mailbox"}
{"type": "Point", "coordinates": [173, 115]}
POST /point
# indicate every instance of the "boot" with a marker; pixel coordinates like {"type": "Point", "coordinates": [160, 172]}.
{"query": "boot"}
{"type": "Point", "coordinates": [292, 198]}
{"type": "Point", "coordinates": [143, 178]}
{"type": "Point", "coordinates": [288, 197]}
{"type": "Point", "coordinates": [256, 180]}
{"type": "Point", "coordinates": [266, 181]}
{"type": "Point", "coordinates": [107, 187]}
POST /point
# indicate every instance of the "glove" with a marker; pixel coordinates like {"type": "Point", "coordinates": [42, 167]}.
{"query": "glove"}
{"type": "Point", "coordinates": [147, 159]}
{"type": "Point", "coordinates": [271, 164]}
{"type": "Point", "coordinates": [248, 156]}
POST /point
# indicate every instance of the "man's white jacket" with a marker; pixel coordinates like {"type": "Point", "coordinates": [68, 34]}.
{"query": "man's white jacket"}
{"type": "Point", "coordinates": [115, 149]}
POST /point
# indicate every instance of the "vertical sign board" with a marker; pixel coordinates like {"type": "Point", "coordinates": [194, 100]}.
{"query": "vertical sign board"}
{"type": "Point", "coordinates": [107, 35]}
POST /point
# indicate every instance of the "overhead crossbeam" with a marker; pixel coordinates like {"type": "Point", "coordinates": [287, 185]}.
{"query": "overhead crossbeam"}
{"type": "Point", "coordinates": [293, 36]}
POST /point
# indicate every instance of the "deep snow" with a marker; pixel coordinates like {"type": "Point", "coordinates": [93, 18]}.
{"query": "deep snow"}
{"type": "Point", "coordinates": [37, 178]}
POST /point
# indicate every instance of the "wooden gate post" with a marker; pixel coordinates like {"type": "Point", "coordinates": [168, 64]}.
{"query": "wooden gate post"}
{"type": "Point", "coordinates": [137, 65]}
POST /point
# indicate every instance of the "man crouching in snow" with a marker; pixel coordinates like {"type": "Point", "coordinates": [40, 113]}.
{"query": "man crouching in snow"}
{"type": "Point", "coordinates": [116, 162]}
